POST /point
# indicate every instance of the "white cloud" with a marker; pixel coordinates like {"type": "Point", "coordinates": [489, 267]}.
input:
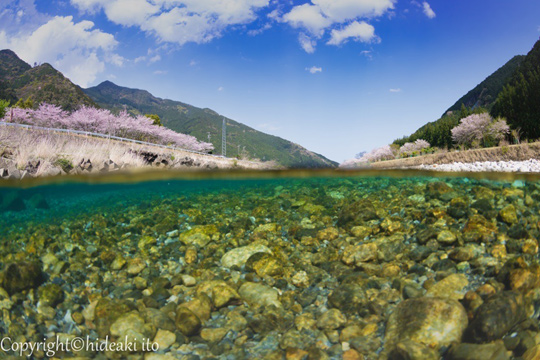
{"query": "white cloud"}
{"type": "Point", "coordinates": [358, 31]}
{"type": "Point", "coordinates": [343, 10]}
{"type": "Point", "coordinates": [428, 10]}
{"type": "Point", "coordinates": [395, 90]}
{"type": "Point", "coordinates": [367, 53]}
{"type": "Point", "coordinates": [220, 88]}
{"type": "Point", "coordinates": [314, 69]}
{"type": "Point", "coordinates": [177, 21]}
{"type": "Point", "coordinates": [308, 17]}
{"type": "Point", "coordinates": [193, 63]}
{"type": "Point", "coordinates": [76, 49]}
{"type": "Point", "coordinates": [341, 17]}
{"type": "Point", "coordinates": [160, 72]}
{"type": "Point", "coordinates": [154, 58]}
{"type": "Point", "coordinates": [307, 43]}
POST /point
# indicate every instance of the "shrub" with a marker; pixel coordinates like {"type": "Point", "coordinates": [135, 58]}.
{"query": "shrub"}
{"type": "Point", "coordinates": [64, 163]}
{"type": "Point", "coordinates": [414, 148]}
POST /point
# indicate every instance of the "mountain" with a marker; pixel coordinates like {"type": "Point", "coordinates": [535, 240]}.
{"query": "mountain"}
{"type": "Point", "coordinates": [485, 94]}
{"type": "Point", "coordinates": [519, 101]}
{"type": "Point", "coordinates": [201, 123]}
{"type": "Point", "coordinates": [43, 83]}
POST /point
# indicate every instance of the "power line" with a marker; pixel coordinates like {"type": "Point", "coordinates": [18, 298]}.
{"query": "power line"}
{"type": "Point", "coordinates": [224, 139]}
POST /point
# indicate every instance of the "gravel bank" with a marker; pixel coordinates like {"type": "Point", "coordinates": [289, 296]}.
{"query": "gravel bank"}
{"type": "Point", "coordinates": [531, 165]}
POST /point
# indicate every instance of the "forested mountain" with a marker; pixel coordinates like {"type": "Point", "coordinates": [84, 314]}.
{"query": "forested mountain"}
{"type": "Point", "coordinates": [43, 83]}
{"type": "Point", "coordinates": [512, 92]}
{"type": "Point", "coordinates": [485, 94]}
{"type": "Point", "coordinates": [241, 139]}
{"type": "Point", "coordinates": [519, 101]}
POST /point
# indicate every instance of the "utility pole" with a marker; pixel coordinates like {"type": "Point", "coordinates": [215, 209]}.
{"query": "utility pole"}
{"type": "Point", "coordinates": [224, 139]}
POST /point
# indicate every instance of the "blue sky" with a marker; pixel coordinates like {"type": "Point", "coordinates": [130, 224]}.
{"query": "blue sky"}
{"type": "Point", "coordinates": [336, 76]}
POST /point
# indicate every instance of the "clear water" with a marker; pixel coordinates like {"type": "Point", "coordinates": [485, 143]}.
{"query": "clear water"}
{"type": "Point", "coordinates": [90, 227]}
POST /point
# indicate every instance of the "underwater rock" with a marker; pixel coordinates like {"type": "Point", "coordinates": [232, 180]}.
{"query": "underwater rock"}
{"type": "Point", "coordinates": [357, 213]}
{"type": "Point", "coordinates": [508, 214]}
{"type": "Point", "coordinates": [438, 189]}
{"type": "Point", "coordinates": [37, 201]}
{"type": "Point", "coordinates": [132, 326]}
{"type": "Point", "coordinates": [164, 339]}
{"type": "Point", "coordinates": [12, 201]}
{"type": "Point", "coordinates": [493, 351]}
{"type": "Point", "coordinates": [201, 306]}
{"type": "Point", "coordinates": [199, 235]}
{"type": "Point", "coordinates": [213, 335]}
{"type": "Point", "coordinates": [264, 264]}
{"type": "Point", "coordinates": [50, 295]}
{"type": "Point", "coordinates": [411, 350]}
{"type": "Point", "coordinates": [331, 320]}
{"type": "Point", "coordinates": [239, 256]}
{"type": "Point", "coordinates": [496, 316]}
{"type": "Point", "coordinates": [357, 254]}
{"type": "Point", "coordinates": [446, 237]}
{"type": "Point", "coordinates": [187, 322]}
{"type": "Point", "coordinates": [451, 287]}
{"type": "Point", "coordinates": [219, 291]}
{"type": "Point", "coordinates": [107, 311]}
{"type": "Point", "coordinates": [430, 321]}
{"type": "Point", "coordinates": [348, 298]}
{"type": "Point", "coordinates": [21, 276]}
{"type": "Point", "coordinates": [259, 295]}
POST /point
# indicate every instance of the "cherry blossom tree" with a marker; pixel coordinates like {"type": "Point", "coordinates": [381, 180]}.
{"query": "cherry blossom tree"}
{"type": "Point", "coordinates": [102, 121]}
{"type": "Point", "coordinates": [479, 127]}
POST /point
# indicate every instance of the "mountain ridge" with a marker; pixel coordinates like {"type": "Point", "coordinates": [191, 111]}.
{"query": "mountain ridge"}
{"type": "Point", "coordinates": [242, 140]}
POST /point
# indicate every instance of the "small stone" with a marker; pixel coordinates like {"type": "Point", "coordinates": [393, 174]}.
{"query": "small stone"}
{"type": "Point", "coordinates": [451, 287]}
{"type": "Point", "coordinates": [264, 264]}
{"type": "Point", "coordinates": [21, 276]}
{"type": "Point", "coordinates": [300, 279]}
{"type": "Point", "coordinates": [191, 255]}
{"type": "Point", "coordinates": [187, 322]}
{"type": "Point", "coordinates": [77, 317]}
{"type": "Point", "coordinates": [118, 263]}
{"type": "Point", "coordinates": [164, 339]}
{"type": "Point", "coordinates": [493, 351]}
{"type": "Point", "coordinates": [50, 295]}
{"type": "Point", "coordinates": [135, 266]}
{"type": "Point", "coordinates": [508, 214]}
{"type": "Point", "coordinates": [409, 349]}
{"type": "Point", "coordinates": [189, 280]}
{"type": "Point", "coordinates": [499, 251]}
{"type": "Point", "coordinates": [352, 354]}
{"type": "Point", "coordinates": [331, 320]}
{"type": "Point", "coordinates": [259, 295]}
{"type": "Point", "coordinates": [238, 257]}
{"type": "Point", "coordinates": [213, 335]}
{"type": "Point", "coordinates": [446, 237]}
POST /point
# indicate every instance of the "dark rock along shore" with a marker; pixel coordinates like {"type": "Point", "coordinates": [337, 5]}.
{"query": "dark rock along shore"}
{"type": "Point", "coordinates": [355, 268]}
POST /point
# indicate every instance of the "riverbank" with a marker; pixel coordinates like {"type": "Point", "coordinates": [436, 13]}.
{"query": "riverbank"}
{"type": "Point", "coordinates": [504, 158]}
{"type": "Point", "coordinates": [28, 152]}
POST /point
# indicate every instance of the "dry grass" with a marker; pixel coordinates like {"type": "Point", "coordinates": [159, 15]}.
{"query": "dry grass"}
{"type": "Point", "coordinates": [519, 152]}
{"type": "Point", "coordinates": [24, 145]}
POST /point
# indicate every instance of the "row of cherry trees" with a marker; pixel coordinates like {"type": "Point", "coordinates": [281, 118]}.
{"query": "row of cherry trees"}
{"type": "Point", "coordinates": [473, 130]}
{"type": "Point", "coordinates": [104, 122]}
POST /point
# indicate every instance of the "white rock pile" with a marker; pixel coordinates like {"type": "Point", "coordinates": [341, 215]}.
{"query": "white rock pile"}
{"type": "Point", "coordinates": [528, 166]}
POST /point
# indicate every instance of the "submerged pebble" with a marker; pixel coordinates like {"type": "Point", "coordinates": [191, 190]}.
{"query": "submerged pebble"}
{"type": "Point", "coordinates": [356, 268]}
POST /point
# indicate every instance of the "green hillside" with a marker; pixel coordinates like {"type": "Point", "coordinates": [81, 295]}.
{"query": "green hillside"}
{"type": "Point", "coordinates": [19, 80]}
{"type": "Point", "coordinates": [519, 102]}
{"type": "Point", "coordinates": [184, 118]}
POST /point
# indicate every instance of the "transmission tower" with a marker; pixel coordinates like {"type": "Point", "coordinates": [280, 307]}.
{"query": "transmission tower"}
{"type": "Point", "coordinates": [224, 139]}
